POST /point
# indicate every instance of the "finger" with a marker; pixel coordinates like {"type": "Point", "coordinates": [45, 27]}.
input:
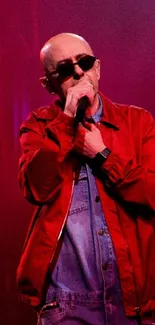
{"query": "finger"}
{"type": "Point", "coordinates": [81, 129]}
{"type": "Point", "coordinates": [89, 126]}
{"type": "Point", "coordinates": [81, 126]}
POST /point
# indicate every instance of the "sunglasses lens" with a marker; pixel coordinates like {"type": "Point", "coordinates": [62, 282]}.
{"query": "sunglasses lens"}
{"type": "Point", "coordinates": [86, 62]}
{"type": "Point", "coordinates": [65, 69]}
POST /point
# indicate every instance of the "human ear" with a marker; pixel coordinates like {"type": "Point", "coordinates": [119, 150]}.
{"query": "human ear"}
{"type": "Point", "coordinates": [98, 65]}
{"type": "Point", "coordinates": [47, 84]}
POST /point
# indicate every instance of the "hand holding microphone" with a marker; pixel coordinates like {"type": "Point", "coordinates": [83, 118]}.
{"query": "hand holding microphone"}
{"type": "Point", "coordinates": [88, 137]}
{"type": "Point", "coordinates": [78, 99]}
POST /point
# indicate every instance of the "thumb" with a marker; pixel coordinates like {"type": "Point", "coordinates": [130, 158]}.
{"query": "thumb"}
{"type": "Point", "coordinates": [89, 126]}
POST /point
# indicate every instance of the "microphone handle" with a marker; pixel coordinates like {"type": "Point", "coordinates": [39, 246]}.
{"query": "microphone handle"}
{"type": "Point", "coordinates": [81, 109]}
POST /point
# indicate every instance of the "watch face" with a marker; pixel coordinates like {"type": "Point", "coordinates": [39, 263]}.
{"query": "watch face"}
{"type": "Point", "coordinates": [105, 153]}
{"type": "Point", "coordinates": [100, 158]}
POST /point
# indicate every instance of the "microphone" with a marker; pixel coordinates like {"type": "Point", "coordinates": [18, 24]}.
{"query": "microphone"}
{"type": "Point", "coordinates": [83, 103]}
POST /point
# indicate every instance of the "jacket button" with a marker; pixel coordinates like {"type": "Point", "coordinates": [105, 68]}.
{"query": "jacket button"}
{"type": "Point", "coordinates": [101, 232]}
{"type": "Point", "coordinates": [97, 199]}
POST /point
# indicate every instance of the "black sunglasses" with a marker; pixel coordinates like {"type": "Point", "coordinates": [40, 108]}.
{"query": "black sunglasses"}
{"type": "Point", "coordinates": [66, 69]}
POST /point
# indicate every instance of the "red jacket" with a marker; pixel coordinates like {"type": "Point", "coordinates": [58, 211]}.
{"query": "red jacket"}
{"type": "Point", "coordinates": [126, 188]}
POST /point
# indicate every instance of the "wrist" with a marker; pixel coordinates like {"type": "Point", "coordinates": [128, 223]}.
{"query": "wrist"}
{"type": "Point", "coordinates": [98, 150]}
{"type": "Point", "coordinates": [100, 158]}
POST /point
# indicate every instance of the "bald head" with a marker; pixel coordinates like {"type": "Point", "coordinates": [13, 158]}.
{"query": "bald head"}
{"type": "Point", "coordinates": [62, 49]}
{"type": "Point", "coordinates": [62, 46]}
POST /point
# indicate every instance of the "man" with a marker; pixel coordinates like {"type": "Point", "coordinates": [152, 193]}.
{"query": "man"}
{"type": "Point", "coordinates": [89, 166]}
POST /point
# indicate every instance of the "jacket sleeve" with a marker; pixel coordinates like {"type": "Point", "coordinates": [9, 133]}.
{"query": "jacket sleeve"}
{"type": "Point", "coordinates": [132, 182]}
{"type": "Point", "coordinates": [44, 153]}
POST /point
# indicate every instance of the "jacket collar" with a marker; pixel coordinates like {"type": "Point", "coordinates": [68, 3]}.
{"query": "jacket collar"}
{"type": "Point", "coordinates": [49, 112]}
{"type": "Point", "coordinates": [111, 112]}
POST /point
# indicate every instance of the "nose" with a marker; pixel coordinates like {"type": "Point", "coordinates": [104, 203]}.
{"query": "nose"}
{"type": "Point", "coordinates": [78, 72]}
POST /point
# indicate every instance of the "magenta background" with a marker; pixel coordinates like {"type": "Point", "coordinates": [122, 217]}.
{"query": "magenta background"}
{"type": "Point", "coordinates": [122, 34]}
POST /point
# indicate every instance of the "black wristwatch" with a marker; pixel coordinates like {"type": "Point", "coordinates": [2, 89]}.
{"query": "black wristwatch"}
{"type": "Point", "coordinates": [100, 158]}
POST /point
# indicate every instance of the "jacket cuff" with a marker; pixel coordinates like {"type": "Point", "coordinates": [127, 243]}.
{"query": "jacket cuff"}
{"type": "Point", "coordinates": [116, 168]}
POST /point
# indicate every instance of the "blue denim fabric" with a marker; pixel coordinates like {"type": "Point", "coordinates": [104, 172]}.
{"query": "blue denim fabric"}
{"type": "Point", "coordinates": [85, 281]}
{"type": "Point", "coordinates": [78, 266]}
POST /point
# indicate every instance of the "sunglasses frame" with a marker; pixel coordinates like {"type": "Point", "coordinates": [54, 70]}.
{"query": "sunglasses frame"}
{"type": "Point", "coordinates": [56, 71]}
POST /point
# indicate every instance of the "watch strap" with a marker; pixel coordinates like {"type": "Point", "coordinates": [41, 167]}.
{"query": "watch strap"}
{"type": "Point", "coordinates": [101, 157]}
